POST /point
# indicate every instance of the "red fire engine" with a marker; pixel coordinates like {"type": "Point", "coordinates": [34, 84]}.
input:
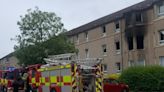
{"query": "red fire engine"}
{"type": "Point", "coordinates": [6, 79]}
{"type": "Point", "coordinates": [64, 74]}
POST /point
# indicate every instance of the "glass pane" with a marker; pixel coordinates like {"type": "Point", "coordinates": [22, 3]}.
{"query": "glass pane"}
{"type": "Point", "coordinates": [161, 9]}
{"type": "Point", "coordinates": [162, 60]}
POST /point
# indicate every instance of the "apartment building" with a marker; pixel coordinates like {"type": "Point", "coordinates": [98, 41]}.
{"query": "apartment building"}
{"type": "Point", "coordinates": [132, 36]}
{"type": "Point", "coordinates": [9, 61]}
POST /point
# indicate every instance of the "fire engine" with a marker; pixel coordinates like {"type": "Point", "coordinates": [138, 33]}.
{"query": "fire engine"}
{"type": "Point", "coordinates": [6, 79]}
{"type": "Point", "coordinates": [64, 73]}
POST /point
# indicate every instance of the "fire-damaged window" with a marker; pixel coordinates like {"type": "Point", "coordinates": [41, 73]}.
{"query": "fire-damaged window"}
{"type": "Point", "coordinates": [161, 35]}
{"type": "Point", "coordinates": [139, 17]}
{"type": "Point", "coordinates": [140, 41]}
{"type": "Point", "coordinates": [130, 43]}
{"type": "Point", "coordinates": [117, 47]}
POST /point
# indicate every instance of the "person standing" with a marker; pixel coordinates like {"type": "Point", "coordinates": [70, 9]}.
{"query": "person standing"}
{"type": "Point", "coordinates": [16, 85]}
{"type": "Point", "coordinates": [26, 81]}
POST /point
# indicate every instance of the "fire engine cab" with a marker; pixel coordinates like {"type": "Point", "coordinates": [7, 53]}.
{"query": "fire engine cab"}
{"type": "Point", "coordinates": [65, 73]}
{"type": "Point", "coordinates": [7, 78]}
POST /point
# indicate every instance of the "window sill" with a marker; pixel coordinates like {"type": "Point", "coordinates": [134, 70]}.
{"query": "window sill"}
{"type": "Point", "coordinates": [105, 71]}
{"type": "Point", "coordinates": [160, 14]}
{"type": "Point", "coordinates": [104, 35]}
{"type": "Point", "coordinates": [117, 31]}
{"type": "Point", "coordinates": [118, 71]}
{"type": "Point", "coordinates": [159, 18]}
{"type": "Point", "coordinates": [104, 55]}
{"type": "Point", "coordinates": [118, 52]}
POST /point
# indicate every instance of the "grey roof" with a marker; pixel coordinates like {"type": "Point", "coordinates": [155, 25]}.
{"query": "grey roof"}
{"type": "Point", "coordinates": [112, 17]}
{"type": "Point", "coordinates": [8, 56]}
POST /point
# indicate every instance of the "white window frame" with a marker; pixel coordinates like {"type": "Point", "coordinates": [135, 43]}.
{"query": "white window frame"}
{"type": "Point", "coordinates": [131, 63]}
{"type": "Point", "coordinates": [158, 7]}
{"type": "Point", "coordinates": [105, 68]}
{"type": "Point", "coordinates": [118, 67]}
{"type": "Point", "coordinates": [104, 46]}
{"type": "Point", "coordinates": [77, 39]}
{"type": "Point", "coordinates": [103, 33]}
{"type": "Point", "coordinates": [86, 53]}
{"type": "Point", "coordinates": [139, 64]}
{"type": "Point", "coordinates": [161, 60]}
{"type": "Point", "coordinates": [117, 30]}
{"type": "Point", "coordinates": [161, 42]}
{"type": "Point", "coordinates": [86, 36]}
{"type": "Point", "coordinates": [140, 16]}
{"type": "Point", "coordinates": [118, 51]}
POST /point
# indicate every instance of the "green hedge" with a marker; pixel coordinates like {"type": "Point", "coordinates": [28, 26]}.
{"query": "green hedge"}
{"type": "Point", "coordinates": [144, 79]}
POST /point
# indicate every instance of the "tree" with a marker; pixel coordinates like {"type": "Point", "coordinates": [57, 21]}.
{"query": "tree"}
{"type": "Point", "coordinates": [41, 34]}
{"type": "Point", "coordinates": [37, 26]}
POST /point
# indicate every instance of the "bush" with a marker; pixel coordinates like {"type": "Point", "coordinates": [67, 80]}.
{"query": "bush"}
{"type": "Point", "coordinates": [144, 79]}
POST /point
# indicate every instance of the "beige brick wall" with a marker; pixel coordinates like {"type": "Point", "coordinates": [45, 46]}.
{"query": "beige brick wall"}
{"type": "Point", "coordinates": [151, 52]}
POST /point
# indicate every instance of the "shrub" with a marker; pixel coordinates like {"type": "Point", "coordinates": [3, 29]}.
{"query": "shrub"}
{"type": "Point", "coordinates": [144, 79]}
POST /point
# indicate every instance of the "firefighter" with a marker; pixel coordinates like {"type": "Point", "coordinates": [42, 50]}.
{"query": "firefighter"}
{"type": "Point", "coordinates": [26, 80]}
{"type": "Point", "coordinates": [16, 84]}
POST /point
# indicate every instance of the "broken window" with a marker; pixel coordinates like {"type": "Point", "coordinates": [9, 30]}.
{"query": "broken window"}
{"type": "Point", "coordinates": [139, 17]}
{"type": "Point", "coordinates": [117, 45]}
{"type": "Point", "coordinates": [130, 43]}
{"type": "Point", "coordinates": [161, 34]}
{"type": "Point", "coordinates": [140, 41]}
{"type": "Point", "coordinates": [104, 49]}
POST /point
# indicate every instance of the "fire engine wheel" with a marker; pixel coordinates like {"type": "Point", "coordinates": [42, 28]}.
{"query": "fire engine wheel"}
{"type": "Point", "coordinates": [124, 90]}
{"type": "Point", "coordinates": [4, 89]}
{"type": "Point", "coordinates": [53, 90]}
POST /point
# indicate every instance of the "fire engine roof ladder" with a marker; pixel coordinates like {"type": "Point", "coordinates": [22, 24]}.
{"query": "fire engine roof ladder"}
{"type": "Point", "coordinates": [68, 58]}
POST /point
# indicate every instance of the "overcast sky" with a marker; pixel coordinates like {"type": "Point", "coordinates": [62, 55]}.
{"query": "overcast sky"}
{"type": "Point", "coordinates": [74, 13]}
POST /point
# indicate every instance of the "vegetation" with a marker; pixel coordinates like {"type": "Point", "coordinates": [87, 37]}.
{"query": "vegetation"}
{"type": "Point", "coordinates": [41, 34]}
{"type": "Point", "coordinates": [144, 79]}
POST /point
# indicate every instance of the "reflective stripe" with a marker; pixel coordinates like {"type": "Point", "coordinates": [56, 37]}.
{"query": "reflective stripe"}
{"type": "Point", "coordinates": [47, 84]}
{"type": "Point", "coordinates": [33, 80]}
{"type": "Point", "coordinates": [66, 79]}
{"type": "Point", "coordinates": [99, 79]}
{"type": "Point", "coordinates": [6, 81]}
{"type": "Point", "coordinates": [43, 80]}
{"type": "Point", "coordinates": [60, 84]}
{"type": "Point", "coordinates": [54, 68]}
{"type": "Point", "coordinates": [37, 84]}
{"type": "Point", "coordinates": [40, 70]}
{"type": "Point", "coordinates": [68, 66]}
{"type": "Point", "coordinates": [53, 79]}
